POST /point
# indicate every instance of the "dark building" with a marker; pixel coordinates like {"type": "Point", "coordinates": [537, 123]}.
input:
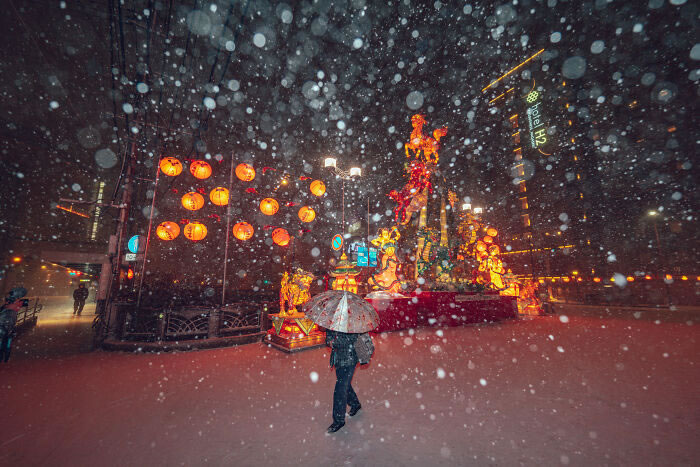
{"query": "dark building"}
{"type": "Point", "coordinates": [543, 191]}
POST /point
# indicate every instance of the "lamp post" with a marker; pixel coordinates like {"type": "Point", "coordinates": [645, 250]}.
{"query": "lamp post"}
{"type": "Point", "coordinates": [330, 163]}
{"type": "Point", "coordinates": [660, 261]}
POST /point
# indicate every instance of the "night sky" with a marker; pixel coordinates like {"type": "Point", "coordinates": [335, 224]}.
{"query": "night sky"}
{"type": "Point", "coordinates": [284, 85]}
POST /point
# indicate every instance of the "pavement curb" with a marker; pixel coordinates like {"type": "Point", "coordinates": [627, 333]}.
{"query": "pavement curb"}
{"type": "Point", "coordinates": [167, 346]}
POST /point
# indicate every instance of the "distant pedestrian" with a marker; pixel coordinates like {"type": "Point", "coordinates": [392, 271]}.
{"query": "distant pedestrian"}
{"type": "Point", "coordinates": [8, 319]}
{"type": "Point", "coordinates": [79, 296]}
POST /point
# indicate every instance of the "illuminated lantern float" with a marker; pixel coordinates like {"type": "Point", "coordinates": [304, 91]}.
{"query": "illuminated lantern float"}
{"type": "Point", "coordinates": [170, 166]}
{"type": "Point", "coordinates": [345, 273]}
{"type": "Point", "coordinates": [291, 330]}
{"type": "Point", "coordinates": [168, 231]}
{"type": "Point", "coordinates": [384, 279]}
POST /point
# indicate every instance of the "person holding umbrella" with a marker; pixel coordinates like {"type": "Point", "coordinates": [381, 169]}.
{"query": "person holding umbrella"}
{"type": "Point", "coordinates": [347, 318]}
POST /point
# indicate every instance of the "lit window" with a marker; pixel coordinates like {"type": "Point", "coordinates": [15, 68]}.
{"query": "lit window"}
{"type": "Point", "coordinates": [523, 203]}
{"type": "Point", "coordinates": [526, 220]}
{"type": "Point", "coordinates": [523, 187]}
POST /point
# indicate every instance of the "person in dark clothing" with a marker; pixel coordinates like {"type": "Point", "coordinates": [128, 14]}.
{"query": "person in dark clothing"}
{"type": "Point", "coordinates": [8, 319]}
{"type": "Point", "coordinates": [344, 359]}
{"type": "Point", "coordinates": [79, 296]}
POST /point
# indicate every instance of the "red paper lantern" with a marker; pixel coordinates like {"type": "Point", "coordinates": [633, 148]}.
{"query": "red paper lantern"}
{"type": "Point", "coordinates": [269, 206]}
{"type": "Point", "coordinates": [318, 188]}
{"type": "Point", "coordinates": [200, 169]}
{"type": "Point", "coordinates": [195, 231]}
{"type": "Point", "coordinates": [243, 231]}
{"type": "Point", "coordinates": [192, 201]}
{"type": "Point", "coordinates": [168, 230]}
{"type": "Point", "coordinates": [281, 237]}
{"type": "Point", "coordinates": [219, 196]}
{"type": "Point", "coordinates": [170, 166]}
{"type": "Point", "coordinates": [488, 239]}
{"type": "Point", "coordinates": [490, 231]}
{"type": "Point", "coordinates": [480, 246]}
{"type": "Point", "coordinates": [245, 172]}
{"type": "Point", "coordinates": [306, 214]}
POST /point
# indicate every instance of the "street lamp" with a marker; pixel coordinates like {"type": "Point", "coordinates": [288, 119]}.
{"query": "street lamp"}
{"type": "Point", "coordinates": [660, 266]}
{"type": "Point", "coordinates": [331, 163]}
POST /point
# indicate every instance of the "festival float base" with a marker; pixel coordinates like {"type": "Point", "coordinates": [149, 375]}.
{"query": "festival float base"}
{"type": "Point", "coordinates": [443, 309]}
{"type": "Point", "coordinates": [294, 333]}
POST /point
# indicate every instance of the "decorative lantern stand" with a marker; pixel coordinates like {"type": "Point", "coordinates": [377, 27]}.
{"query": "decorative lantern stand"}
{"type": "Point", "coordinates": [345, 273]}
{"type": "Point", "coordinates": [291, 331]}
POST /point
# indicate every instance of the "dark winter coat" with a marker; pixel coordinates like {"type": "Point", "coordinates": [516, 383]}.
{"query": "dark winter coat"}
{"type": "Point", "coordinates": [343, 345]}
{"type": "Point", "coordinates": [80, 294]}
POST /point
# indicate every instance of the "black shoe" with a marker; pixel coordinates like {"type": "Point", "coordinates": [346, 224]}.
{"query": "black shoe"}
{"type": "Point", "coordinates": [335, 427]}
{"type": "Point", "coordinates": [354, 410]}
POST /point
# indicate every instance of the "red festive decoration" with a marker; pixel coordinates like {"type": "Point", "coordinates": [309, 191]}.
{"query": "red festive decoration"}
{"type": "Point", "coordinates": [200, 169]}
{"type": "Point", "coordinates": [280, 236]}
{"type": "Point", "coordinates": [170, 166]}
{"type": "Point", "coordinates": [245, 172]}
{"type": "Point", "coordinates": [243, 231]}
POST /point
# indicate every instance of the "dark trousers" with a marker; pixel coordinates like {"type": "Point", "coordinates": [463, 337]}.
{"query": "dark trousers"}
{"type": "Point", "coordinates": [343, 395]}
{"type": "Point", "coordinates": [5, 346]}
{"type": "Point", "coordinates": [78, 306]}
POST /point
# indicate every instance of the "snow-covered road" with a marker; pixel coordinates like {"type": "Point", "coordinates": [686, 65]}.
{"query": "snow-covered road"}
{"type": "Point", "coordinates": [578, 390]}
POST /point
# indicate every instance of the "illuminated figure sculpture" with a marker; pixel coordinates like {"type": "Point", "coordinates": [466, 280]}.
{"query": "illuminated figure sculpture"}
{"type": "Point", "coordinates": [433, 253]}
{"type": "Point", "coordinates": [528, 303]}
{"type": "Point", "coordinates": [419, 142]}
{"type": "Point", "coordinates": [294, 292]}
{"type": "Point", "coordinates": [423, 150]}
{"type": "Point", "coordinates": [385, 278]}
{"type": "Point", "coordinates": [491, 268]}
{"type": "Point", "coordinates": [414, 194]}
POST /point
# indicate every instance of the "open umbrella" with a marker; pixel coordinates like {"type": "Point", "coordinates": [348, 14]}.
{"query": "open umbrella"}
{"type": "Point", "coordinates": [342, 311]}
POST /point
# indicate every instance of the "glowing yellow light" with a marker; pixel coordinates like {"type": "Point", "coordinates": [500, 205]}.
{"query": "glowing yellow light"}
{"type": "Point", "coordinates": [630, 279]}
{"type": "Point", "coordinates": [684, 278]}
{"type": "Point", "coordinates": [669, 277]}
{"type": "Point", "coordinates": [596, 279]}
{"type": "Point", "coordinates": [16, 259]}
{"type": "Point", "coordinates": [512, 70]}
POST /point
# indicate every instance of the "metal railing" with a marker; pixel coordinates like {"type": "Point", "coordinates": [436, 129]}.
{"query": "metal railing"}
{"type": "Point", "coordinates": [27, 315]}
{"type": "Point", "coordinates": [187, 323]}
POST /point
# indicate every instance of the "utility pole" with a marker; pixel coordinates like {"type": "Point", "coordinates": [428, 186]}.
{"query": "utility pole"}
{"type": "Point", "coordinates": [122, 228]}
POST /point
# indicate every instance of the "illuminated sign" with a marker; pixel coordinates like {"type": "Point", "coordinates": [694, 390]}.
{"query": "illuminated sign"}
{"type": "Point", "coordinates": [366, 258]}
{"type": "Point", "coordinates": [535, 120]}
{"type": "Point", "coordinates": [136, 243]}
{"type": "Point", "coordinates": [337, 242]}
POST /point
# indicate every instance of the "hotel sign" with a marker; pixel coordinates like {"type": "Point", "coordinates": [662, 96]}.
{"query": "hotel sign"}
{"type": "Point", "coordinates": [535, 120]}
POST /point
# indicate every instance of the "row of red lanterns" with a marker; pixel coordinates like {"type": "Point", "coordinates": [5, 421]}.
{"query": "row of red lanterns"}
{"type": "Point", "coordinates": [197, 231]}
{"type": "Point", "coordinates": [172, 167]}
{"type": "Point", "coordinates": [194, 201]}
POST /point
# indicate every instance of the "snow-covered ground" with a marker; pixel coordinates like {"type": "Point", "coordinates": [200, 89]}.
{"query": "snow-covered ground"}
{"type": "Point", "coordinates": [581, 390]}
